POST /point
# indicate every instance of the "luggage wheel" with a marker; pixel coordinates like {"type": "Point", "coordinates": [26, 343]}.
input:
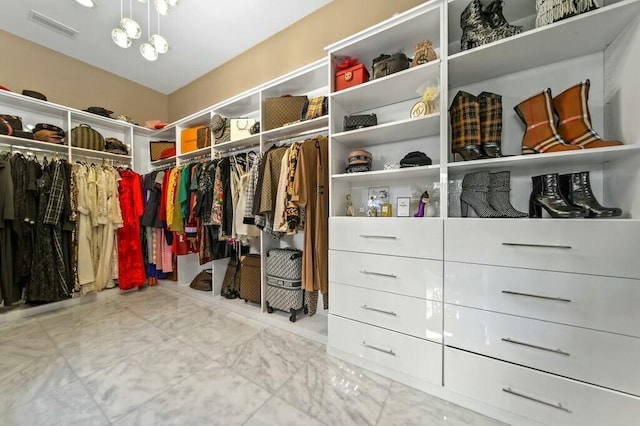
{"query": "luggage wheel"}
{"type": "Point", "coordinates": [292, 318]}
{"type": "Point", "coordinates": [269, 308]}
{"type": "Point", "coordinates": [306, 309]}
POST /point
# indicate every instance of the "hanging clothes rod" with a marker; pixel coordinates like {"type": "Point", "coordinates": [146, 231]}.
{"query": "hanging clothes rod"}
{"type": "Point", "coordinates": [20, 148]}
{"type": "Point", "coordinates": [298, 135]}
{"type": "Point", "coordinates": [92, 157]}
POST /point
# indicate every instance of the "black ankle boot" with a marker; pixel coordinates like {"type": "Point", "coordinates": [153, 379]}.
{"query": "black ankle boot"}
{"type": "Point", "coordinates": [576, 188]}
{"type": "Point", "coordinates": [546, 193]}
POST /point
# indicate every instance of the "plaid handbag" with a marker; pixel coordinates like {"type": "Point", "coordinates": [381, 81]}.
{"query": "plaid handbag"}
{"type": "Point", "coordinates": [282, 110]}
{"type": "Point", "coordinates": [86, 137]}
{"type": "Point", "coordinates": [314, 108]}
{"type": "Point", "coordinates": [156, 148]}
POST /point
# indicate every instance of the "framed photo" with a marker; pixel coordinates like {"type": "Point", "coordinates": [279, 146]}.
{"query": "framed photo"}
{"type": "Point", "coordinates": [404, 209]}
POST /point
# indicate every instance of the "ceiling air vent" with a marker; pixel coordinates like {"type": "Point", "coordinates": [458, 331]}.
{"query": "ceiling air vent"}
{"type": "Point", "coordinates": [52, 24]}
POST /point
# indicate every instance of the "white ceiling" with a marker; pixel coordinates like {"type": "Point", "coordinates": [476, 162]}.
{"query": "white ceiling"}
{"type": "Point", "coordinates": [202, 34]}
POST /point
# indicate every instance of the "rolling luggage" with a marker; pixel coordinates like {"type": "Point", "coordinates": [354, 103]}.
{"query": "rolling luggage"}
{"type": "Point", "coordinates": [250, 278]}
{"type": "Point", "coordinates": [284, 274]}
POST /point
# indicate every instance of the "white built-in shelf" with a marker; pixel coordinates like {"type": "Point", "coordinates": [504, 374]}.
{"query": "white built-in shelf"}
{"type": "Point", "coordinates": [198, 152]}
{"type": "Point", "coordinates": [406, 174]}
{"type": "Point", "coordinates": [317, 124]}
{"type": "Point", "coordinates": [167, 133]}
{"type": "Point", "coordinates": [570, 38]}
{"type": "Point", "coordinates": [163, 162]}
{"type": "Point", "coordinates": [304, 80]}
{"type": "Point", "coordinates": [21, 144]}
{"type": "Point", "coordinates": [548, 161]}
{"type": "Point", "coordinates": [394, 88]}
{"type": "Point", "coordinates": [92, 153]}
{"type": "Point", "coordinates": [411, 128]}
{"type": "Point", "coordinates": [248, 142]}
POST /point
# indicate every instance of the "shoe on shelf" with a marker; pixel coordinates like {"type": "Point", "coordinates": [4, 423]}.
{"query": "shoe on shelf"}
{"type": "Point", "coordinates": [490, 124]}
{"type": "Point", "coordinates": [550, 11]}
{"type": "Point", "coordinates": [481, 27]}
{"type": "Point", "coordinates": [493, 13]}
{"type": "Point", "coordinates": [541, 134]}
{"type": "Point", "coordinates": [576, 188]}
{"type": "Point", "coordinates": [464, 116]}
{"type": "Point", "coordinates": [572, 107]}
{"type": "Point", "coordinates": [499, 191]}
{"type": "Point", "coordinates": [546, 194]}
{"type": "Point", "coordinates": [475, 193]}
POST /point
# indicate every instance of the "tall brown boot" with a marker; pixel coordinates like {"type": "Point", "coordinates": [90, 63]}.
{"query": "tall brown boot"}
{"type": "Point", "coordinates": [572, 107]}
{"type": "Point", "coordinates": [464, 115]}
{"type": "Point", "coordinates": [541, 135]}
{"type": "Point", "coordinates": [490, 123]}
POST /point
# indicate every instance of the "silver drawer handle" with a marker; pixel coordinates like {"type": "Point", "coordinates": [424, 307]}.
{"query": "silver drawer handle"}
{"type": "Point", "coordinates": [378, 274]}
{"type": "Point", "coordinates": [368, 308]}
{"type": "Point", "coordinates": [516, 342]}
{"type": "Point", "coordinates": [384, 237]}
{"type": "Point", "coordinates": [379, 349]}
{"type": "Point", "coordinates": [538, 245]}
{"type": "Point", "coordinates": [537, 296]}
{"type": "Point", "coordinates": [530, 398]}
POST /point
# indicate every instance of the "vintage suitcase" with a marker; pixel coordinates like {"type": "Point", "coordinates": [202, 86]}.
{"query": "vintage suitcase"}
{"type": "Point", "coordinates": [194, 138]}
{"type": "Point", "coordinates": [350, 77]}
{"type": "Point", "coordinates": [85, 137]}
{"type": "Point", "coordinates": [156, 148]}
{"type": "Point", "coordinates": [287, 299]}
{"type": "Point", "coordinates": [385, 65]}
{"type": "Point", "coordinates": [282, 110]}
{"type": "Point", "coordinates": [250, 278]}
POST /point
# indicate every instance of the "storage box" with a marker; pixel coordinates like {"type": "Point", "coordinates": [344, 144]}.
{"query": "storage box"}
{"type": "Point", "coordinates": [156, 148]}
{"type": "Point", "coordinates": [350, 77]}
{"type": "Point", "coordinates": [282, 110]}
{"type": "Point", "coordinates": [194, 138]}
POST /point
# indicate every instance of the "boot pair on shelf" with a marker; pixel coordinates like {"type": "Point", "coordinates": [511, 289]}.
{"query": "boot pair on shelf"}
{"type": "Point", "coordinates": [476, 125]}
{"type": "Point", "coordinates": [572, 131]}
{"type": "Point", "coordinates": [488, 195]}
{"type": "Point", "coordinates": [567, 196]}
{"type": "Point", "coordinates": [484, 25]}
{"type": "Point", "coordinates": [550, 11]}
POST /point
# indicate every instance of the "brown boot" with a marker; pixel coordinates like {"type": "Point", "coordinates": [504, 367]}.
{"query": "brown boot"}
{"type": "Point", "coordinates": [541, 135]}
{"type": "Point", "coordinates": [490, 123]}
{"type": "Point", "coordinates": [572, 107]}
{"type": "Point", "coordinates": [464, 115]}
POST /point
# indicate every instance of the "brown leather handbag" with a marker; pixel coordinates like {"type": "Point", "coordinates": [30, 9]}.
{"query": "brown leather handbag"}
{"type": "Point", "coordinates": [203, 281]}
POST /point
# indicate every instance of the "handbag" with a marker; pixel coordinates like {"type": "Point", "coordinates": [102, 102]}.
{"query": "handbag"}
{"type": "Point", "coordinates": [352, 122]}
{"type": "Point", "coordinates": [415, 159]}
{"type": "Point", "coordinates": [282, 110]}
{"type": "Point", "coordinates": [203, 137]}
{"type": "Point", "coordinates": [385, 65]}
{"type": "Point", "coordinates": [314, 108]}
{"type": "Point", "coordinates": [241, 128]}
{"type": "Point", "coordinates": [115, 146]}
{"type": "Point", "coordinates": [203, 281]}
{"type": "Point", "coordinates": [85, 137]}
{"type": "Point", "coordinates": [255, 129]}
{"type": "Point", "coordinates": [423, 53]}
{"type": "Point", "coordinates": [221, 129]}
{"type": "Point", "coordinates": [156, 148]}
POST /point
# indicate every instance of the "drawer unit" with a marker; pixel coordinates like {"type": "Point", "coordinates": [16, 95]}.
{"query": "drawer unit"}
{"type": "Point", "coordinates": [604, 359]}
{"type": "Point", "coordinates": [410, 237]}
{"type": "Point", "coordinates": [597, 247]}
{"type": "Point", "coordinates": [418, 317]}
{"type": "Point", "coordinates": [590, 301]}
{"type": "Point", "coordinates": [539, 396]}
{"type": "Point", "coordinates": [419, 358]}
{"type": "Point", "coordinates": [400, 275]}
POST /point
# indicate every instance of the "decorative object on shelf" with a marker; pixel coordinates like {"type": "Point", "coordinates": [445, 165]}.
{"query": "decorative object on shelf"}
{"type": "Point", "coordinates": [154, 124]}
{"type": "Point", "coordinates": [475, 193]}
{"type": "Point", "coordinates": [576, 188]}
{"type": "Point", "coordinates": [34, 94]}
{"type": "Point", "coordinates": [550, 11]}
{"type": "Point", "coordinates": [255, 129]}
{"type": "Point", "coordinates": [372, 208]}
{"type": "Point", "coordinates": [404, 205]}
{"type": "Point", "coordinates": [490, 124]}
{"type": "Point", "coordinates": [546, 194]}
{"type": "Point", "coordinates": [115, 146]}
{"type": "Point", "coordinates": [386, 209]}
{"type": "Point", "coordinates": [454, 189]}
{"type": "Point", "coordinates": [499, 191]}
{"type": "Point", "coordinates": [422, 205]}
{"type": "Point", "coordinates": [84, 136]}
{"type": "Point", "coordinates": [428, 103]}
{"type": "Point", "coordinates": [203, 281]}
{"type": "Point", "coordinates": [353, 122]}
{"type": "Point", "coordinates": [423, 53]}
{"type": "Point", "coordinates": [221, 129]}
{"type": "Point", "coordinates": [385, 65]}
{"type": "Point", "coordinates": [193, 138]}
{"type": "Point", "coordinates": [13, 127]}
{"type": "Point", "coordinates": [126, 119]}
{"type": "Point", "coordinates": [99, 111]}
{"type": "Point", "coordinates": [464, 116]}
{"type": "Point", "coordinates": [350, 72]}
{"type": "Point", "coordinates": [282, 110]}
{"type": "Point", "coordinates": [415, 159]}
{"type": "Point", "coordinates": [241, 128]}
{"type": "Point", "coordinates": [156, 148]}
{"type": "Point", "coordinates": [314, 108]}
{"type": "Point", "coordinates": [349, 211]}
{"type": "Point", "coordinates": [541, 134]}
{"type": "Point", "coordinates": [5, 127]}
{"type": "Point", "coordinates": [482, 26]}
{"type": "Point", "coordinates": [48, 133]}
{"type": "Point", "coordinates": [358, 161]}
{"type": "Point", "coordinates": [574, 118]}
{"type": "Point", "coordinates": [378, 196]}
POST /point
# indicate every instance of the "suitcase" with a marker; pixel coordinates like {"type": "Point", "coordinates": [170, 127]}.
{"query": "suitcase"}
{"type": "Point", "coordinates": [250, 278]}
{"type": "Point", "coordinates": [282, 110]}
{"type": "Point", "coordinates": [284, 274]}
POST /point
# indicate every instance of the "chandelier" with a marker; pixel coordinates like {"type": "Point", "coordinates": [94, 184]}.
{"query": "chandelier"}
{"type": "Point", "coordinates": [130, 30]}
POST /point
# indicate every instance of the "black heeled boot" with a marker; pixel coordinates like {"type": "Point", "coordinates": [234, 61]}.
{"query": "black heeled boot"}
{"type": "Point", "coordinates": [546, 193]}
{"type": "Point", "coordinates": [576, 187]}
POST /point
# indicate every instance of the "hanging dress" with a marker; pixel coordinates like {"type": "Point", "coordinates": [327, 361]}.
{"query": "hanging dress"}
{"type": "Point", "coordinates": [131, 271]}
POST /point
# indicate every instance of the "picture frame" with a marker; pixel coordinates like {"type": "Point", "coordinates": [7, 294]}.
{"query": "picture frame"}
{"type": "Point", "coordinates": [403, 206]}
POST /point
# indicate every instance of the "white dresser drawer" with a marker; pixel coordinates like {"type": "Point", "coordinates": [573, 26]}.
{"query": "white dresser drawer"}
{"type": "Point", "coordinates": [598, 247]}
{"type": "Point", "coordinates": [539, 396]}
{"type": "Point", "coordinates": [419, 358]}
{"type": "Point", "coordinates": [409, 315]}
{"type": "Point", "coordinates": [590, 301]}
{"type": "Point", "coordinates": [604, 359]}
{"type": "Point", "coordinates": [411, 237]}
{"type": "Point", "coordinates": [400, 275]}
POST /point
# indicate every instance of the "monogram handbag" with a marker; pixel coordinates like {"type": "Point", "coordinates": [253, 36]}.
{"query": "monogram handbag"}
{"type": "Point", "coordinates": [203, 137]}
{"type": "Point", "coordinates": [352, 122]}
{"type": "Point", "coordinates": [282, 110]}
{"type": "Point", "coordinates": [221, 129]}
{"type": "Point", "coordinates": [241, 128]}
{"type": "Point", "coordinates": [385, 65]}
{"type": "Point", "coordinates": [156, 148]}
{"type": "Point", "coordinates": [85, 137]}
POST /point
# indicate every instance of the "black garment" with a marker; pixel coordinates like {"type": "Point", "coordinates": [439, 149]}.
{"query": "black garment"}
{"type": "Point", "coordinates": [22, 236]}
{"type": "Point", "coordinates": [227, 206]}
{"type": "Point", "coordinates": [151, 215]}
{"type": "Point", "coordinates": [9, 293]}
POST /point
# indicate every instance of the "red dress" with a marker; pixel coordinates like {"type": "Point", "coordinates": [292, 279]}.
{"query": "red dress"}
{"type": "Point", "coordinates": [130, 259]}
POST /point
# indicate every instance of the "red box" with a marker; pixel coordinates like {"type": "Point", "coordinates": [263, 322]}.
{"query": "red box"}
{"type": "Point", "coordinates": [350, 77]}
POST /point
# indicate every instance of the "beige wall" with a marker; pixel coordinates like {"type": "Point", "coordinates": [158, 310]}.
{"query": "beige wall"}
{"type": "Point", "coordinates": [67, 81]}
{"type": "Point", "coordinates": [292, 48]}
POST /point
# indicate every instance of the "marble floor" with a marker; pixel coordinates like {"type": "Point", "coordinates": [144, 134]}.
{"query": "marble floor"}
{"type": "Point", "coordinates": [154, 357]}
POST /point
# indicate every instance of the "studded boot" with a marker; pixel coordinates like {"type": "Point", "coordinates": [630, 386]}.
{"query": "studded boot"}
{"type": "Point", "coordinates": [490, 123]}
{"type": "Point", "coordinates": [464, 115]}
{"type": "Point", "coordinates": [475, 193]}
{"type": "Point", "coordinates": [576, 188]}
{"type": "Point", "coordinates": [499, 190]}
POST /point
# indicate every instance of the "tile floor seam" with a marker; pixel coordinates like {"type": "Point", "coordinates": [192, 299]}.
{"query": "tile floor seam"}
{"type": "Point", "coordinates": [384, 403]}
{"type": "Point", "coordinates": [258, 409]}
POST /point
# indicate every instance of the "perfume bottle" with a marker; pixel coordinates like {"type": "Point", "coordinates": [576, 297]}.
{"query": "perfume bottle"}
{"type": "Point", "coordinates": [386, 209]}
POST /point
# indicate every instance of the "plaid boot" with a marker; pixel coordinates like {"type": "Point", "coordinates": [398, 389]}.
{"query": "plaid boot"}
{"type": "Point", "coordinates": [490, 123]}
{"type": "Point", "coordinates": [572, 107]}
{"type": "Point", "coordinates": [464, 114]}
